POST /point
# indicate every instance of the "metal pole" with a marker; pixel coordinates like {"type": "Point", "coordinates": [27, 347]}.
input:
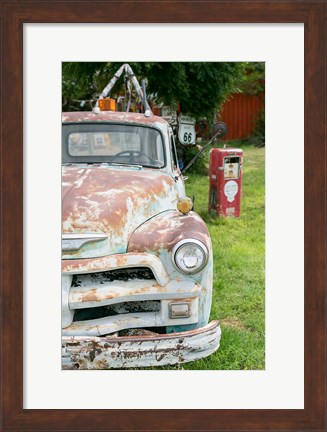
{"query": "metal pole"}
{"type": "Point", "coordinates": [144, 101]}
{"type": "Point", "coordinates": [221, 132]}
{"type": "Point", "coordinates": [129, 71]}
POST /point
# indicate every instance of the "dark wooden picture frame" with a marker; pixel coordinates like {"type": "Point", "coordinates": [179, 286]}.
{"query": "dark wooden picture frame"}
{"type": "Point", "coordinates": [14, 15]}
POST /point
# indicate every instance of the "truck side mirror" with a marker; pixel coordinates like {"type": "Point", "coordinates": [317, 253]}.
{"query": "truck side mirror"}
{"type": "Point", "coordinates": [219, 130]}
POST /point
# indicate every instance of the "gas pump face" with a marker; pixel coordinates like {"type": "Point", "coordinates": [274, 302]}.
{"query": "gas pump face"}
{"type": "Point", "coordinates": [231, 167]}
{"type": "Point", "coordinates": [225, 174]}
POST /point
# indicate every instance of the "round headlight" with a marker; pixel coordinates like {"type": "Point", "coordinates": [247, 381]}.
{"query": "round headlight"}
{"type": "Point", "coordinates": [189, 256]}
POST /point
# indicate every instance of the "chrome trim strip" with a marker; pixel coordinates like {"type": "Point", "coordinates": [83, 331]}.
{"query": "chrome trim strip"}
{"type": "Point", "coordinates": [82, 236]}
{"type": "Point", "coordinates": [74, 241]}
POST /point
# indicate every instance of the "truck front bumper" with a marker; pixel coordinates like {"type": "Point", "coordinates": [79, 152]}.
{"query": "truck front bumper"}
{"type": "Point", "coordinates": [108, 352]}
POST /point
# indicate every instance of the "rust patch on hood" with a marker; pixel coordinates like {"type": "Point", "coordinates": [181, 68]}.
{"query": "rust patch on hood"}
{"type": "Point", "coordinates": [113, 201]}
{"type": "Point", "coordinates": [165, 230]}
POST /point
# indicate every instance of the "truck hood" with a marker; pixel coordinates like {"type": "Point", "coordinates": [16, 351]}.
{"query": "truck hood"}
{"type": "Point", "coordinates": [112, 201]}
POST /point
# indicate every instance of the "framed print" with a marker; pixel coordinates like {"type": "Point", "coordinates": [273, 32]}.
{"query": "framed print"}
{"type": "Point", "coordinates": [36, 393]}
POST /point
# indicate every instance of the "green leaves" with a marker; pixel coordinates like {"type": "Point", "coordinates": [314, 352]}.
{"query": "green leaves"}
{"type": "Point", "coordinates": [199, 87]}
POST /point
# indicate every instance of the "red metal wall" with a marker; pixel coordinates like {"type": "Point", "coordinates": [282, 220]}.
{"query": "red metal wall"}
{"type": "Point", "coordinates": [240, 113]}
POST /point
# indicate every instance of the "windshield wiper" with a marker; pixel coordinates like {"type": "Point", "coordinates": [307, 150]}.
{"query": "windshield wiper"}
{"type": "Point", "coordinates": [139, 167]}
{"type": "Point", "coordinates": [122, 164]}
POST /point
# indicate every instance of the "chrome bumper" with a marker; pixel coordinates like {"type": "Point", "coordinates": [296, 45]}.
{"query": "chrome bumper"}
{"type": "Point", "coordinates": [83, 352]}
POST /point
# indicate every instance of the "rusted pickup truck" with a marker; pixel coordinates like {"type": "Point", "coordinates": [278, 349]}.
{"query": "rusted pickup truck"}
{"type": "Point", "coordinates": [136, 260]}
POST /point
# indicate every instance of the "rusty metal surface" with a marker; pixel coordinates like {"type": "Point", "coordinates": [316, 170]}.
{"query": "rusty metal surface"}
{"type": "Point", "coordinates": [110, 324]}
{"type": "Point", "coordinates": [139, 351]}
{"type": "Point", "coordinates": [116, 261]}
{"type": "Point", "coordinates": [91, 294]}
{"type": "Point", "coordinates": [165, 230]}
{"type": "Point", "coordinates": [111, 201]}
{"type": "Point", "coordinates": [114, 117]}
{"type": "Point", "coordinates": [130, 213]}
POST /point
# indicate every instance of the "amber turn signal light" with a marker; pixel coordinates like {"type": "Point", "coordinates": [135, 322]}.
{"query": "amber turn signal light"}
{"type": "Point", "coordinates": [185, 205]}
{"type": "Point", "coordinates": [107, 104]}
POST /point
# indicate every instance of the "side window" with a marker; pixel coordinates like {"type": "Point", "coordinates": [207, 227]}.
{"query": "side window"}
{"type": "Point", "coordinates": [173, 152]}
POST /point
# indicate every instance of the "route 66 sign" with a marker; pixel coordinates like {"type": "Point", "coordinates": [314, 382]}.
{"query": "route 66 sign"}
{"type": "Point", "coordinates": [186, 130]}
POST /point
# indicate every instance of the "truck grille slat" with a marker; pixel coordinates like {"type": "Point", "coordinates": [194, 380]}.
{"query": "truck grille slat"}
{"type": "Point", "coordinates": [116, 309]}
{"type": "Point", "coordinates": [123, 274]}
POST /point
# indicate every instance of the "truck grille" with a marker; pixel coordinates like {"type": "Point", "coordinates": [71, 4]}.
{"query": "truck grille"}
{"type": "Point", "coordinates": [124, 274]}
{"type": "Point", "coordinates": [116, 309]}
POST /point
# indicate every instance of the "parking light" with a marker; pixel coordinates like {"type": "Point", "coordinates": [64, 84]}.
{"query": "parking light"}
{"type": "Point", "coordinates": [185, 205]}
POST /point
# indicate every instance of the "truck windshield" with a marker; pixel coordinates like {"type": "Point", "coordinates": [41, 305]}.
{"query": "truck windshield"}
{"type": "Point", "coordinates": [112, 143]}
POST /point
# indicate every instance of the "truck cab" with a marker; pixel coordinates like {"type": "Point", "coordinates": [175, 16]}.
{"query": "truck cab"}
{"type": "Point", "coordinates": [136, 259]}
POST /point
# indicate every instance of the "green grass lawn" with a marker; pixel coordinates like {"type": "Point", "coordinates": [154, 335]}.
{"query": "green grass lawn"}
{"type": "Point", "coordinates": [239, 269]}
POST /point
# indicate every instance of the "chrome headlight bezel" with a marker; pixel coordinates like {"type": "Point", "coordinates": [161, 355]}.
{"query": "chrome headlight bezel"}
{"type": "Point", "coordinates": [189, 242]}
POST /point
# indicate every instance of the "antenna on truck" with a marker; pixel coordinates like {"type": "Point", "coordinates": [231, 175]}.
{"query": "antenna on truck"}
{"type": "Point", "coordinates": [129, 76]}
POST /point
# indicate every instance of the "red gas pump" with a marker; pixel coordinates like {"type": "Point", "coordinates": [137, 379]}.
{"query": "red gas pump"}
{"type": "Point", "coordinates": [225, 173]}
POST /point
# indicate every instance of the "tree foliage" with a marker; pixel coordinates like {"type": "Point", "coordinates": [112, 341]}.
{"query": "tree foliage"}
{"type": "Point", "coordinates": [252, 81]}
{"type": "Point", "coordinates": [200, 88]}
